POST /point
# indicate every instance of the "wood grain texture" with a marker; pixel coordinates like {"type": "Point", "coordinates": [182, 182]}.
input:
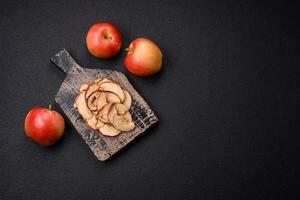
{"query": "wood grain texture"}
{"type": "Point", "coordinates": [103, 147]}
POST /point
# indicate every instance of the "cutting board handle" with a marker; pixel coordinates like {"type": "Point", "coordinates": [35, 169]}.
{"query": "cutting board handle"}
{"type": "Point", "coordinates": [64, 61]}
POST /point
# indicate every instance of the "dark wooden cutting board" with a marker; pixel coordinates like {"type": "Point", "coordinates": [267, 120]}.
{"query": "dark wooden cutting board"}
{"type": "Point", "coordinates": [103, 147]}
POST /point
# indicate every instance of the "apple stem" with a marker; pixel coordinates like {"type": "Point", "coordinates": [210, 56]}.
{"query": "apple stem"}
{"type": "Point", "coordinates": [129, 49]}
{"type": "Point", "coordinates": [107, 37]}
{"type": "Point", "coordinates": [49, 107]}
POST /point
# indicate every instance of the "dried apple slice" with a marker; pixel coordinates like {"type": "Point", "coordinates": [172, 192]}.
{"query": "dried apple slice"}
{"type": "Point", "coordinates": [91, 101]}
{"type": "Point", "coordinates": [114, 88]}
{"type": "Point", "coordinates": [83, 87]}
{"type": "Point", "coordinates": [111, 114]}
{"type": "Point", "coordinates": [123, 122]}
{"type": "Point", "coordinates": [121, 109]}
{"type": "Point", "coordinates": [92, 122]}
{"type": "Point", "coordinates": [99, 124]}
{"type": "Point", "coordinates": [109, 130]}
{"type": "Point", "coordinates": [101, 101]}
{"type": "Point", "coordinates": [91, 89]}
{"type": "Point", "coordinates": [106, 97]}
{"type": "Point", "coordinates": [104, 112]}
{"type": "Point", "coordinates": [103, 119]}
{"type": "Point", "coordinates": [82, 107]}
{"type": "Point", "coordinates": [112, 97]}
{"type": "Point", "coordinates": [127, 100]}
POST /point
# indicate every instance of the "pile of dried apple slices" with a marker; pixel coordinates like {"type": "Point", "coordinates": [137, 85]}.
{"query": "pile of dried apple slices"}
{"type": "Point", "coordinates": [104, 105]}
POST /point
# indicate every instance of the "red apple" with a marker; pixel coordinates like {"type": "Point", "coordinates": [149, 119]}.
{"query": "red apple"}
{"type": "Point", "coordinates": [104, 40]}
{"type": "Point", "coordinates": [144, 58]}
{"type": "Point", "coordinates": [44, 126]}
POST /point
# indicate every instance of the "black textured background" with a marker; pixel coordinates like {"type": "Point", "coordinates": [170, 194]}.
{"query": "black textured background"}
{"type": "Point", "coordinates": [226, 99]}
